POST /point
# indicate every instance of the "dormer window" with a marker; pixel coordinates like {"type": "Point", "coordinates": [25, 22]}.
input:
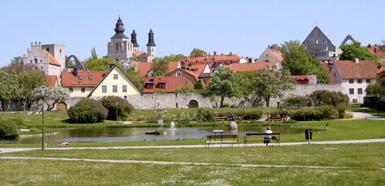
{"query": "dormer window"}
{"type": "Point", "coordinates": [90, 77]}
{"type": "Point", "coordinates": [161, 85]}
{"type": "Point", "coordinates": [80, 77]}
{"type": "Point", "coordinates": [178, 73]}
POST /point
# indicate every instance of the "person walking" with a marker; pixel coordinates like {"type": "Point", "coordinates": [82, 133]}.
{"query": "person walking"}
{"type": "Point", "coordinates": [267, 138]}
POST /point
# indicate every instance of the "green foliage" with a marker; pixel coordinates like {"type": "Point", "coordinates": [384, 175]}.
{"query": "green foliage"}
{"type": "Point", "coordinates": [117, 107]}
{"type": "Point", "coordinates": [377, 91]}
{"type": "Point", "coordinates": [270, 83]}
{"type": "Point", "coordinates": [309, 114]}
{"type": "Point", "coordinates": [101, 64]}
{"type": "Point", "coordinates": [87, 111]}
{"type": "Point", "coordinates": [199, 85]}
{"type": "Point", "coordinates": [298, 101]}
{"type": "Point", "coordinates": [324, 97]}
{"type": "Point", "coordinates": [185, 90]}
{"type": "Point", "coordinates": [160, 65]}
{"type": "Point", "coordinates": [198, 52]}
{"type": "Point", "coordinates": [225, 83]}
{"type": "Point", "coordinates": [135, 78]}
{"type": "Point", "coordinates": [299, 62]}
{"type": "Point", "coordinates": [8, 130]}
{"type": "Point", "coordinates": [355, 50]}
{"type": "Point", "coordinates": [204, 115]}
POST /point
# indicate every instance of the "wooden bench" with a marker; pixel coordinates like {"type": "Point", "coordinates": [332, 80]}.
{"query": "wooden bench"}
{"type": "Point", "coordinates": [274, 118]}
{"type": "Point", "coordinates": [276, 137]}
{"type": "Point", "coordinates": [221, 138]}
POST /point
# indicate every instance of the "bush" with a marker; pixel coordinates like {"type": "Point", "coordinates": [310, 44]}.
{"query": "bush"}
{"type": "Point", "coordinates": [8, 131]}
{"type": "Point", "coordinates": [116, 104]}
{"type": "Point", "coordinates": [204, 115]}
{"type": "Point", "coordinates": [314, 114]}
{"type": "Point", "coordinates": [87, 111]}
{"type": "Point", "coordinates": [297, 101]}
{"type": "Point", "coordinates": [327, 112]}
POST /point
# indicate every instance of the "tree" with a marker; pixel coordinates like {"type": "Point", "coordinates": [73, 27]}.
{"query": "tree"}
{"type": "Point", "coordinates": [117, 107]}
{"type": "Point", "coordinates": [160, 65]}
{"type": "Point", "coordinates": [29, 81]}
{"type": "Point", "coordinates": [56, 95]}
{"type": "Point", "coordinates": [198, 52]}
{"type": "Point", "coordinates": [225, 83]}
{"type": "Point", "coordinates": [355, 50]}
{"type": "Point", "coordinates": [101, 64]}
{"type": "Point", "coordinates": [270, 83]}
{"type": "Point", "coordinates": [9, 88]}
{"type": "Point", "coordinates": [299, 62]}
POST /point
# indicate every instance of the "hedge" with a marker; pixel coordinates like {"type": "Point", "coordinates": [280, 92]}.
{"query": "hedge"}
{"type": "Point", "coordinates": [87, 111]}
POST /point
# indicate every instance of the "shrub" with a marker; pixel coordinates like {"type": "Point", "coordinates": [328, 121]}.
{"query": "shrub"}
{"type": "Point", "coordinates": [297, 101]}
{"type": "Point", "coordinates": [87, 111]}
{"type": "Point", "coordinates": [327, 112]}
{"type": "Point", "coordinates": [116, 104]}
{"type": "Point", "coordinates": [204, 115]}
{"type": "Point", "coordinates": [324, 97]}
{"type": "Point", "coordinates": [341, 107]}
{"type": "Point", "coordinates": [8, 130]}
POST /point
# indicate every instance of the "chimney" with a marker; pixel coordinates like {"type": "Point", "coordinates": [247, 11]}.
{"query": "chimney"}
{"type": "Point", "coordinates": [75, 72]}
{"type": "Point", "coordinates": [356, 60]}
{"type": "Point", "coordinates": [112, 66]}
{"type": "Point", "coordinates": [231, 53]}
{"type": "Point", "coordinates": [215, 53]}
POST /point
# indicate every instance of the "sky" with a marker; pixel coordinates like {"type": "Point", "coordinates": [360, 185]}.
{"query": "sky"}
{"type": "Point", "coordinates": [244, 27]}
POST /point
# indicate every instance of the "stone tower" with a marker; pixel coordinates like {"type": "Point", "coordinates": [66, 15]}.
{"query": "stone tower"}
{"type": "Point", "coordinates": [120, 48]}
{"type": "Point", "coordinates": [151, 46]}
{"type": "Point", "coordinates": [56, 51]}
{"type": "Point", "coordinates": [134, 41]}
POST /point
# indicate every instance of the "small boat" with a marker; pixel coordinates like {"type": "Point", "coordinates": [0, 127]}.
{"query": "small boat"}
{"type": "Point", "coordinates": [152, 133]}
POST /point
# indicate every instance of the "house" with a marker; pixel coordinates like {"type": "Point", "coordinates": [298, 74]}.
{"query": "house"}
{"type": "Point", "coordinates": [165, 84]}
{"type": "Point", "coordinates": [354, 77]}
{"type": "Point", "coordinates": [380, 72]}
{"type": "Point", "coordinates": [113, 82]}
{"type": "Point", "coordinates": [251, 67]}
{"type": "Point", "coordinates": [271, 55]}
{"type": "Point", "coordinates": [377, 50]}
{"type": "Point", "coordinates": [320, 46]}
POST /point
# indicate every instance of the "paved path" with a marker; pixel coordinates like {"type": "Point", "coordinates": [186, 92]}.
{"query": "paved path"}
{"type": "Point", "coordinates": [362, 115]}
{"type": "Point", "coordinates": [382, 140]}
{"type": "Point", "coordinates": [172, 163]}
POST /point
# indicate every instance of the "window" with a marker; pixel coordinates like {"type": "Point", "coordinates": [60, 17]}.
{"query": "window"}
{"type": "Point", "coordinates": [368, 81]}
{"type": "Point", "coordinates": [83, 89]}
{"type": "Point", "coordinates": [161, 85]}
{"type": "Point", "coordinates": [359, 81]}
{"type": "Point", "coordinates": [359, 90]}
{"type": "Point", "coordinates": [115, 76]}
{"type": "Point", "coordinates": [355, 101]}
{"type": "Point", "coordinates": [47, 49]}
{"type": "Point", "coordinates": [60, 51]}
{"type": "Point", "coordinates": [351, 90]}
{"type": "Point", "coordinates": [124, 88]}
{"type": "Point", "coordinates": [316, 41]}
{"type": "Point", "coordinates": [71, 89]}
{"type": "Point", "coordinates": [178, 73]}
{"type": "Point", "coordinates": [148, 85]}
{"type": "Point", "coordinates": [90, 77]}
{"type": "Point", "coordinates": [80, 77]}
{"type": "Point", "coordinates": [351, 81]}
{"type": "Point", "coordinates": [35, 61]}
{"type": "Point", "coordinates": [114, 88]}
{"type": "Point", "coordinates": [104, 89]}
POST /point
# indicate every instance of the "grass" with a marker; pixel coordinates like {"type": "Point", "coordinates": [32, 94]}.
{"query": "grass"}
{"type": "Point", "coordinates": [361, 164]}
{"type": "Point", "coordinates": [358, 108]}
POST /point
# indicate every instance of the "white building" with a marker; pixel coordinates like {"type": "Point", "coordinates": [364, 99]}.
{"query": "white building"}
{"type": "Point", "coordinates": [354, 77]}
{"type": "Point", "coordinates": [49, 58]}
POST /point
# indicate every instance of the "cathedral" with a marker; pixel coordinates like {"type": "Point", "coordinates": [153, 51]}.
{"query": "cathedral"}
{"type": "Point", "coordinates": [124, 50]}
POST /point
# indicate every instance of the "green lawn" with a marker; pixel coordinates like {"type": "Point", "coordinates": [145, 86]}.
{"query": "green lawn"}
{"type": "Point", "coordinates": [360, 164]}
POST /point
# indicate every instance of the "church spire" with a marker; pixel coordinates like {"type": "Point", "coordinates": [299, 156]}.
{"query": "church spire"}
{"type": "Point", "coordinates": [151, 42]}
{"type": "Point", "coordinates": [119, 29]}
{"type": "Point", "coordinates": [133, 39]}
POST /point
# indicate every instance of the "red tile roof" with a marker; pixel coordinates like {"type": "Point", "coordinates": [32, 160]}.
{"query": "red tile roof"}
{"type": "Point", "coordinates": [52, 60]}
{"type": "Point", "coordinates": [51, 81]}
{"type": "Point", "coordinates": [171, 84]}
{"type": "Point", "coordinates": [83, 79]}
{"type": "Point", "coordinates": [277, 53]}
{"type": "Point", "coordinates": [230, 58]}
{"type": "Point", "coordinates": [142, 68]}
{"type": "Point", "coordinates": [378, 50]}
{"type": "Point", "coordinates": [247, 67]}
{"type": "Point", "coordinates": [352, 70]}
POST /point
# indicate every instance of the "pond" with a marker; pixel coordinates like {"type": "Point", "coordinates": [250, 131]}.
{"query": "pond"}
{"type": "Point", "coordinates": [138, 134]}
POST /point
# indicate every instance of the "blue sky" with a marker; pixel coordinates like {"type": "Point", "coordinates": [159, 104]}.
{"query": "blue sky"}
{"type": "Point", "coordinates": [244, 27]}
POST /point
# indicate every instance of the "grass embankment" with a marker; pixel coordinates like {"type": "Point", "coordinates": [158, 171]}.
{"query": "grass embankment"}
{"type": "Point", "coordinates": [359, 161]}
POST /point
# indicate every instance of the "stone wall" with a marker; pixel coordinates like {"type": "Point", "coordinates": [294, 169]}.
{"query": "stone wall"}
{"type": "Point", "coordinates": [173, 100]}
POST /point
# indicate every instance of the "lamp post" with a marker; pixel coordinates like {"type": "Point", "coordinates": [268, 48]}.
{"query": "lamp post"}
{"type": "Point", "coordinates": [42, 91]}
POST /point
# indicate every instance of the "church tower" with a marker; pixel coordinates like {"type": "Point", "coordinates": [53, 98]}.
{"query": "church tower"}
{"type": "Point", "coordinates": [134, 41]}
{"type": "Point", "coordinates": [151, 46]}
{"type": "Point", "coordinates": [120, 48]}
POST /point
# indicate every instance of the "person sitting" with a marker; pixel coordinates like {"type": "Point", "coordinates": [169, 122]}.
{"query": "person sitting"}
{"type": "Point", "coordinates": [267, 138]}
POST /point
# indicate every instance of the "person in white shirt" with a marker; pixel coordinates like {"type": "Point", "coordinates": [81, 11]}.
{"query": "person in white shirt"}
{"type": "Point", "coordinates": [267, 138]}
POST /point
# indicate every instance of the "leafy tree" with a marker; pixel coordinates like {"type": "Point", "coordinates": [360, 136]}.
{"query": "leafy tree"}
{"type": "Point", "coordinates": [29, 81]}
{"type": "Point", "coordinates": [101, 64]}
{"type": "Point", "coordinates": [87, 111]}
{"type": "Point", "coordinates": [198, 52]}
{"type": "Point", "coordinates": [9, 88]}
{"type": "Point", "coordinates": [56, 95]}
{"type": "Point", "coordinates": [299, 62]}
{"type": "Point", "coordinates": [355, 50]}
{"type": "Point", "coordinates": [270, 83]}
{"type": "Point", "coordinates": [225, 83]}
{"type": "Point", "coordinates": [135, 78]}
{"type": "Point", "coordinates": [173, 57]}
{"type": "Point", "coordinates": [117, 107]}
{"type": "Point", "coordinates": [160, 65]}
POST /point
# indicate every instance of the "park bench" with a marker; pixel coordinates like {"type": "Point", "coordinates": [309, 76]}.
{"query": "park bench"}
{"type": "Point", "coordinates": [220, 138]}
{"type": "Point", "coordinates": [276, 137]}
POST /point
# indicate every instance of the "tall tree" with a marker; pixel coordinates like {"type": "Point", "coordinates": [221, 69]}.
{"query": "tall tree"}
{"type": "Point", "coordinates": [198, 52]}
{"type": "Point", "coordinates": [9, 88]}
{"type": "Point", "coordinates": [355, 50]}
{"type": "Point", "coordinates": [269, 84]}
{"type": "Point", "coordinates": [56, 95]}
{"type": "Point", "coordinates": [101, 64]}
{"type": "Point", "coordinates": [225, 84]}
{"type": "Point", "coordinates": [299, 62]}
{"type": "Point", "coordinates": [28, 81]}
